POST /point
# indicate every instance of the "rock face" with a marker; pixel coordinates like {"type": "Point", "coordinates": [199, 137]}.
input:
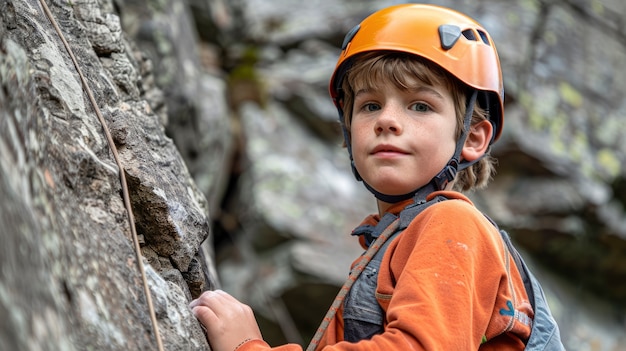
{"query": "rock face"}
{"type": "Point", "coordinates": [233, 94]}
{"type": "Point", "coordinates": [70, 277]}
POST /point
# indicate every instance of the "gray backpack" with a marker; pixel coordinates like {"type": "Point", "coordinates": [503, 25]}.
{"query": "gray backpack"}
{"type": "Point", "coordinates": [544, 334]}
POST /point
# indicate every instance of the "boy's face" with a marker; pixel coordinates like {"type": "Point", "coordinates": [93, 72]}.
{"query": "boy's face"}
{"type": "Point", "coordinates": [401, 139]}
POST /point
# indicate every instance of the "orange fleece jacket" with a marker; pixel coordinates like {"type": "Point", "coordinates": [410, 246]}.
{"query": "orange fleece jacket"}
{"type": "Point", "coordinates": [445, 283]}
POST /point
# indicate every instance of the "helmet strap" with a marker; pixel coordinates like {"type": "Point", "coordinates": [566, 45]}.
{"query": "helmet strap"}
{"type": "Point", "coordinates": [346, 138]}
{"type": "Point", "coordinates": [448, 173]}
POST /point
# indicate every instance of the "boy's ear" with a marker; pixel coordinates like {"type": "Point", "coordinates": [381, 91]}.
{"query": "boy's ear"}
{"type": "Point", "coordinates": [477, 142]}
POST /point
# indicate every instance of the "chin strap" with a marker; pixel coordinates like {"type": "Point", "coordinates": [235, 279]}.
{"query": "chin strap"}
{"type": "Point", "coordinates": [455, 165]}
{"type": "Point", "coordinates": [441, 180]}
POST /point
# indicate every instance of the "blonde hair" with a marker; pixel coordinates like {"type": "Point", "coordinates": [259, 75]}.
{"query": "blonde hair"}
{"type": "Point", "coordinates": [369, 69]}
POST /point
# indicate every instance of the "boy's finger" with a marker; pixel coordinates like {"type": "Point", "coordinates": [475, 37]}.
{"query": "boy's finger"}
{"type": "Point", "coordinates": [218, 301]}
{"type": "Point", "coordinates": [205, 315]}
{"type": "Point", "coordinates": [204, 299]}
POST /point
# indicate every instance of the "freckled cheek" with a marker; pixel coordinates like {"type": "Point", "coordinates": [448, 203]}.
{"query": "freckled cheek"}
{"type": "Point", "coordinates": [355, 137]}
{"type": "Point", "coordinates": [358, 139]}
{"type": "Point", "coordinates": [359, 151]}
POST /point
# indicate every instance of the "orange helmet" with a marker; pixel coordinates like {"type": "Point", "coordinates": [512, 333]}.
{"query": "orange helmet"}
{"type": "Point", "coordinates": [446, 37]}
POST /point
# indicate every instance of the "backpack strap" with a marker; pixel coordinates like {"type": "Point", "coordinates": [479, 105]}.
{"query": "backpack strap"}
{"type": "Point", "coordinates": [519, 263]}
{"type": "Point", "coordinates": [544, 333]}
{"type": "Point", "coordinates": [362, 315]}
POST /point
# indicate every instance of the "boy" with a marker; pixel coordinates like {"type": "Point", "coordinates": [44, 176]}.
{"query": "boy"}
{"type": "Point", "coordinates": [419, 93]}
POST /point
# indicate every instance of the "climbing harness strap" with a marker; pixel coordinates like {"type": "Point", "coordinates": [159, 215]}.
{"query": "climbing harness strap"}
{"type": "Point", "coordinates": [354, 275]}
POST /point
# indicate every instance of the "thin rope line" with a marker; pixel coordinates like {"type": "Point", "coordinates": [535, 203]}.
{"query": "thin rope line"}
{"type": "Point", "coordinates": [124, 185]}
{"type": "Point", "coordinates": [356, 272]}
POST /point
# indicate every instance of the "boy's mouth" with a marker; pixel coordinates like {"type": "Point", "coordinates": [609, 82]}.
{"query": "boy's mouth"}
{"type": "Point", "coordinates": [387, 149]}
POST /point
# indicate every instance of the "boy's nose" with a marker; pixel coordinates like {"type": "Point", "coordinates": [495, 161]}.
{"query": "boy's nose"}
{"type": "Point", "coordinates": [388, 123]}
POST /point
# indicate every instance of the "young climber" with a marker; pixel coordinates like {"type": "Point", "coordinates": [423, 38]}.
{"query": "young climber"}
{"type": "Point", "coordinates": [420, 98]}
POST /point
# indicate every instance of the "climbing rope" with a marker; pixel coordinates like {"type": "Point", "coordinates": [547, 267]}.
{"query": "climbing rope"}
{"type": "Point", "coordinates": [354, 275]}
{"type": "Point", "coordinates": [122, 176]}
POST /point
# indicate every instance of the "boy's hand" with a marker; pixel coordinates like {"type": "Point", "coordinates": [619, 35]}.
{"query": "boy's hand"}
{"type": "Point", "coordinates": [229, 323]}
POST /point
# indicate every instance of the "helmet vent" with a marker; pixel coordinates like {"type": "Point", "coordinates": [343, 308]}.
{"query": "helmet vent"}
{"type": "Point", "coordinates": [484, 37]}
{"type": "Point", "coordinates": [469, 35]}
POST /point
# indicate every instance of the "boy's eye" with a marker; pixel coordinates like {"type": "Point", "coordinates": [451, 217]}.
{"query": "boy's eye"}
{"type": "Point", "coordinates": [370, 107]}
{"type": "Point", "coordinates": [420, 107]}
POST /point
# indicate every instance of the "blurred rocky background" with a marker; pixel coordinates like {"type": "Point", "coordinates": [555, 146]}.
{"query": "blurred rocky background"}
{"type": "Point", "coordinates": [220, 113]}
